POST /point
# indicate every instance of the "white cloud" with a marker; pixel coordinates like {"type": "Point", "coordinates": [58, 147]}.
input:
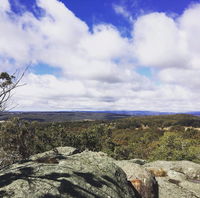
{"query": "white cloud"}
{"type": "Point", "coordinates": [61, 39]}
{"type": "Point", "coordinates": [158, 42]}
{"type": "Point", "coordinates": [98, 66]}
{"type": "Point", "coordinates": [189, 78]}
{"type": "Point", "coordinates": [162, 41]}
{"type": "Point", "coordinates": [104, 43]}
{"type": "Point", "coordinates": [119, 9]}
{"type": "Point", "coordinates": [190, 27]}
{"type": "Point", "coordinates": [49, 92]}
{"type": "Point", "coordinates": [4, 5]}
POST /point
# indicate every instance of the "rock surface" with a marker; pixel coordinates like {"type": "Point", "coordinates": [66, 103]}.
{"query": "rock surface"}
{"type": "Point", "coordinates": [65, 173]}
{"type": "Point", "coordinates": [179, 179]}
{"type": "Point", "coordinates": [190, 169]}
{"type": "Point", "coordinates": [172, 190]}
{"type": "Point", "coordinates": [141, 178]}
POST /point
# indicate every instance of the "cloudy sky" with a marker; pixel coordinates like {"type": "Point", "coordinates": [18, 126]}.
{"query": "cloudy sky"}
{"type": "Point", "coordinates": [103, 54]}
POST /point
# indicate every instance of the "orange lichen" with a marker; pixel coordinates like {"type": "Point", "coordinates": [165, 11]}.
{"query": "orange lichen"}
{"type": "Point", "coordinates": [137, 184]}
{"type": "Point", "coordinates": [158, 172]}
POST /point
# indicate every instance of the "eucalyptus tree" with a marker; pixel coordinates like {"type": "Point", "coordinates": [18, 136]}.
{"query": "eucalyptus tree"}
{"type": "Point", "coordinates": [8, 83]}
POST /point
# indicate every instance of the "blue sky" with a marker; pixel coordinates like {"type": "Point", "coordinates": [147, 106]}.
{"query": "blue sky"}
{"type": "Point", "coordinates": [95, 11]}
{"type": "Point", "coordinates": [103, 55]}
{"type": "Point", "coordinates": [102, 9]}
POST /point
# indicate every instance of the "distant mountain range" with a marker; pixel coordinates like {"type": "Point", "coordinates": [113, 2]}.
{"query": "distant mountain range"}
{"type": "Point", "coordinates": [196, 113]}
{"type": "Point", "coordinates": [60, 116]}
{"type": "Point", "coordinates": [143, 113]}
{"type": "Point", "coordinates": [138, 113]}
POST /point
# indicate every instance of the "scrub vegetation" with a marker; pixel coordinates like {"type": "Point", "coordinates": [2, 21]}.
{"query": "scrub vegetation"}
{"type": "Point", "coordinates": [166, 137]}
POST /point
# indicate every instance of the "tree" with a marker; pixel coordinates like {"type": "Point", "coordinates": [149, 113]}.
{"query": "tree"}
{"type": "Point", "coordinates": [172, 146]}
{"type": "Point", "coordinates": [7, 84]}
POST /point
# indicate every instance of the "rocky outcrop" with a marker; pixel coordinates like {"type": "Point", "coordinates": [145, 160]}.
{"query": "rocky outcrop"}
{"type": "Point", "coordinates": [65, 172]}
{"type": "Point", "coordinates": [176, 178]}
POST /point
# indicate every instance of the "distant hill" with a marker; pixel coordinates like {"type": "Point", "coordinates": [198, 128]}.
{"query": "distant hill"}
{"type": "Point", "coordinates": [61, 116]}
{"type": "Point", "coordinates": [196, 113]}
{"type": "Point", "coordinates": [138, 113]}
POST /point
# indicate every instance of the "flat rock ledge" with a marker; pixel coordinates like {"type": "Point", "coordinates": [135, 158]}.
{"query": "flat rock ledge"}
{"type": "Point", "coordinates": [176, 179]}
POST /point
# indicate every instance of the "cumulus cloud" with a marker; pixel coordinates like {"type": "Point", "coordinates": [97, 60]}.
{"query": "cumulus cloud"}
{"type": "Point", "coordinates": [159, 42]}
{"type": "Point", "coordinates": [60, 39]}
{"type": "Point", "coordinates": [190, 28]}
{"type": "Point", "coordinates": [98, 66]}
{"type": "Point", "coordinates": [162, 41]}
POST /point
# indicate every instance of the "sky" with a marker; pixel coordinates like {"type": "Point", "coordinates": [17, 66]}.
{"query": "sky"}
{"type": "Point", "coordinates": [98, 55]}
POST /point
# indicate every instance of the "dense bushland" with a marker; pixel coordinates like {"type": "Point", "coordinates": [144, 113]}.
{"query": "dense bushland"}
{"type": "Point", "coordinates": [174, 137]}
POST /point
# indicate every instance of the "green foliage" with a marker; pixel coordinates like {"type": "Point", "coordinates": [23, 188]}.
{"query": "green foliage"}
{"type": "Point", "coordinates": [121, 152]}
{"type": "Point", "coordinates": [16, 140]}
{"type": "Point", "coordinates": [6, 79]}
{"type": "Point", "coordinates": [174, 147]}
{"type": "Point", "coordinates": [128, 124]}
{"type": "Point", "coordinates": [150, 138]}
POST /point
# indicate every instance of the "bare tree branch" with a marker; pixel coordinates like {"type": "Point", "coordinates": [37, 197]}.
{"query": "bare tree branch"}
{"type": "Point", "coordinates": [7, 84]}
